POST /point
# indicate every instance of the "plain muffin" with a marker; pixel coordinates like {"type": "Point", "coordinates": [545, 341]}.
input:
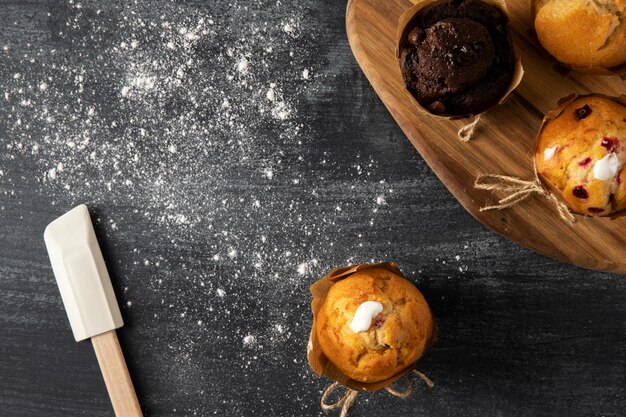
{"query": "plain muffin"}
{"type": "Point", "coordinates": [583, 33]}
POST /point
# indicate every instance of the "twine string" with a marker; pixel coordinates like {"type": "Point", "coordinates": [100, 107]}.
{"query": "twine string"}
{"type": "Point", "coordinates": [402, 394]}
{"type": "Point", "coordinates": [430, 384]}
{"type": "Point", "coordinates": [346, 401]}
{"type": "Point", "coordinates": [466, 132]}
{"type": "Point", "coordinates": [517, 190]}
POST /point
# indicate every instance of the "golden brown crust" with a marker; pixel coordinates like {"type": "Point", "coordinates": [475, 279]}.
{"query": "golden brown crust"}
{"type": "Point", "coordinates": [569, 147]}
{"type": "Point", "coordinates": [406, 331]}
{"type": "Point", "coordinates": [583, 33]}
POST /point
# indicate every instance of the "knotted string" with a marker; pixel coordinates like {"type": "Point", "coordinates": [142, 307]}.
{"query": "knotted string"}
{"type": "Point", "coordinates": [466, 132]}
{"type": "Point", "coordinates": [344, 402]}
{"type": "Point", "coordinates": [349, 397]}
{"type": "Point", "coordinates": [518, 190]}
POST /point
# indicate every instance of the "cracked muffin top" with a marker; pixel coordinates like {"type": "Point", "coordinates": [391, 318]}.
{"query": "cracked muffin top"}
{"type": "Point", "coordinates": [582, 152]}
{"type": "Point", "coordinates": [583, 33]}
{"type": "Point", "coordinates": [374, 324]}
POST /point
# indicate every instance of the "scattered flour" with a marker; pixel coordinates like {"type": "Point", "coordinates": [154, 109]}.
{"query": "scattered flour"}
{"type": "Point", "coordinates": [303, 268]}
{"type": "Point", "coordinates": [184, 137]}
{"type": "Point", "coordinates": [242, 65]}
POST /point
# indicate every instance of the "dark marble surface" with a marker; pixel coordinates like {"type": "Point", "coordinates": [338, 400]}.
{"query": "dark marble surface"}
{"type": "Point", "coordinates": [217, 203]}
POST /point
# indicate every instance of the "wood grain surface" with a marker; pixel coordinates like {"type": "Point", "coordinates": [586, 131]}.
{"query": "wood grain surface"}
{"type": "Point", "coordinates": [505, 142]}
{"type": "Point", "coordinates": [520, 334]}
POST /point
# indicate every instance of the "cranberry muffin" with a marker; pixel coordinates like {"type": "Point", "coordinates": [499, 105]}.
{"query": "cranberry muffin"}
{"type": "Point", "coordinates": [582, 151]}
{"type": "Point", "coordinates": [374, 324]}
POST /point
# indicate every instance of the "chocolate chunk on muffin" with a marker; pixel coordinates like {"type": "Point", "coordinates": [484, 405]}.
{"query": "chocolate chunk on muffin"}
{"type": "Point", "coordinates": [456, 56]}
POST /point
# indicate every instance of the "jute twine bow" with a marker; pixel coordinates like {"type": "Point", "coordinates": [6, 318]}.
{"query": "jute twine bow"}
{"type": "Point", "coordinates": [466, 132]}
{"type": "Point", "coordinates": [518, 190]}
{"type": "Point", "coordinates": [349, 397]}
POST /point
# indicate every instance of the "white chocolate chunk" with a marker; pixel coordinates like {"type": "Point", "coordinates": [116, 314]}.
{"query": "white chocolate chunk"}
{"type": "Point", "coordinates": [607, 167]}
{"type": "Point", "coordinates": [364, 315]}
{"type": "Point", "coordinates": [548, 153]}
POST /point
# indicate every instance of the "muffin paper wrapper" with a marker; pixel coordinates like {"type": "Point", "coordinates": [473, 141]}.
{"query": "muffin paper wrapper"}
{"type": "Point", "coordinates": [318, 361]}
{"type": "Point", "coordinates": [407, 16]}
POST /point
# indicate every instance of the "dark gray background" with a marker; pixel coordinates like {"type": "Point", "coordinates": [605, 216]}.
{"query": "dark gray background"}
{"type": "Point", "coordinates": [214, 219]}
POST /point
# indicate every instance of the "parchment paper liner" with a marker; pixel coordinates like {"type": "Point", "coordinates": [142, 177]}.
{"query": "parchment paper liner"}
{"type": "Point", "coordinates": [518, 72]}
{"type": "Point", "coordinates": [318, 361]}
{"type": "Point", "coordinates": [540, 185]}
{"type": "Point", "coordinates": [619, 70]}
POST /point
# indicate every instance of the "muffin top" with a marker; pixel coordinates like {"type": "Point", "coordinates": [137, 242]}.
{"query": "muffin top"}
{"type": "Point", "coordinates": [583, 33]}
{"type": "Point", "coordinates": [581, 152]}
{"type": "Point", "coordinates": [456, 56]}
{"type": "Point", "coordinates": [374, 324]}
{"type": "Point", "coordinates": [458, 51]}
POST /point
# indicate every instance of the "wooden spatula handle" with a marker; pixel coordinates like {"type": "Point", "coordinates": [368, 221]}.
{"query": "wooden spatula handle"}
{"type": "Point", "coordinates": [116, 376]}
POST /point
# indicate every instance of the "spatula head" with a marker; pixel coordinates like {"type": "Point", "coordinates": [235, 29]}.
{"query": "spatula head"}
{"type": "Point", "coordinates": [81, 274]}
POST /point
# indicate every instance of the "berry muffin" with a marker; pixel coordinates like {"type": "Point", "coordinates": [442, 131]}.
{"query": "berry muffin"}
{"type": "Point", "coordinates": [582, 33]}
{"type": "Point", "coordinates": [374, 324]}
{"type": "Point", "coordinates": [581, 152]}
{"type": "Point", "coordinates": [456, 56]}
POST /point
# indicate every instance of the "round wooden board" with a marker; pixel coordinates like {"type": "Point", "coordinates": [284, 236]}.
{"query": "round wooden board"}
{"type": "Point", "coordinates": [503, 144]}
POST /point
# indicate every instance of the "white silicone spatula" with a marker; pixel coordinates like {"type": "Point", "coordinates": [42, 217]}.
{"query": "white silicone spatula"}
{"type": "Point", "coordinates": [90, 302]}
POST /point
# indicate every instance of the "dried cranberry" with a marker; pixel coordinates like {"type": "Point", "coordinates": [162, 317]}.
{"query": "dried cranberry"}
{"type": "Point", "coordinates": [585, 162]}
{"type": "Point", "coordinates": [580, 192]}
{"type": "Point", "coordinates": [610, 144]}
{"type": "Point", "coordinates": [583, 112]}
{"type": "Point", "coordinates": [595, 210]}
{"type": "Point", "coordinates": [618, 179]}
{"type": "Point", "coordinates": [378, 321]}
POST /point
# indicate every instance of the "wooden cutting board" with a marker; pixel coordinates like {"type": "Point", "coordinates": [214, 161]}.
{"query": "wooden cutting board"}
{"type": "Point", "coordinates": [504, 142]}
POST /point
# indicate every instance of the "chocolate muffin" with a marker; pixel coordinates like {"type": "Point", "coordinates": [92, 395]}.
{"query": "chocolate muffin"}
{"type": "Point", "coordinates": [457, 57]}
